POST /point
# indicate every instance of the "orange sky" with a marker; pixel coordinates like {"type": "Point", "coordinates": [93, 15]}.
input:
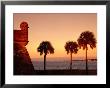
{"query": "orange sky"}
{"type": "Point", "coordinates": [57, 28]}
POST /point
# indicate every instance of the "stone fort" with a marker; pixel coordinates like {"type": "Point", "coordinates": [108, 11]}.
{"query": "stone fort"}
{"type": "Point", "coordinates": [22, 60]}
{"type": "Point", "coordinates": [21, 36]}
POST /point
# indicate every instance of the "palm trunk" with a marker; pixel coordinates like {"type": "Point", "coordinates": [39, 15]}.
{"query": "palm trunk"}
{"type": "Point", "coordinates": [45, 62]}
{"type": "Point", "coordinates": [86, 62]}
{"type": "Point", "coordinates": [71, 61]}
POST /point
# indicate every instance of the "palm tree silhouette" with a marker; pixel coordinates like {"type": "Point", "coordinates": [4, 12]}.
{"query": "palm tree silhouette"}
{"type": "Point", "coordinates": [86, 38]}
{"type": "Point", "coordinates": [71, 47]}
{"type": "Point", "coordinates": [46, 48]}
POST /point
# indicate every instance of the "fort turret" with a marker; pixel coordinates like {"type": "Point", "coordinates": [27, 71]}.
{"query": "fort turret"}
{"type": "Point", "coordinates": [21, 36]}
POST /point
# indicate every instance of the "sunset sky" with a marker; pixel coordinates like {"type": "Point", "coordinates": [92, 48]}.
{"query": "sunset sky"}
{"type": "Point", "coordinates": [58, 28]}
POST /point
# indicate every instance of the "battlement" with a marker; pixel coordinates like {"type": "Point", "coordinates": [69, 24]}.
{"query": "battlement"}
{"type": "Point", "coordinates": [21, 36]}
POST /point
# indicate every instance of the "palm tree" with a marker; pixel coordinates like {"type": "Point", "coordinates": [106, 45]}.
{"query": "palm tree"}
{"type": "Point", "coordinates": [86, 38]}
{"type": "Point", "coordinates": [71, 47]}
{"type": "Point", "coordinates": [46, 48]}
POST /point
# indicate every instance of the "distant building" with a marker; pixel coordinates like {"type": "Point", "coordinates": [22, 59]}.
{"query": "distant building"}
{"type": "Point", "coordinates": [21, 36]}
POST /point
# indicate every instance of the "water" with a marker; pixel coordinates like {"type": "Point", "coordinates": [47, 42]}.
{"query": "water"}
{"type": "Point", "coordinates": [77, 64]}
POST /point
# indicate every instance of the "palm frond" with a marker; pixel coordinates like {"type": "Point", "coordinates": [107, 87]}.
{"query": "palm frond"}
{"type": "Point", "coordinates": [71, 47]}
{"type": "Point", "coordinates": [87, 38]}
{"type": "Point", "coordinates": [45, 47]}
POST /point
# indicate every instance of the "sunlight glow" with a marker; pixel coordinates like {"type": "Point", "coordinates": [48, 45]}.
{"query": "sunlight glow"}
{"type": "Point", "coordinates": [57, 28]}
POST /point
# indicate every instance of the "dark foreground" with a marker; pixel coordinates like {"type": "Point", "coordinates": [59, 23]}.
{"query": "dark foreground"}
{"type": "Point", "coordinates": [65, 72]}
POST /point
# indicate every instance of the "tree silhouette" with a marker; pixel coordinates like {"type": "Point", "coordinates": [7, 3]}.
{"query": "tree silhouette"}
{"type": "Point", "coordinates": [46, 48]}
{"type": "Point", "coordinates": [71, 47]}
{"type": "Point", "coordinates": [86, 38]}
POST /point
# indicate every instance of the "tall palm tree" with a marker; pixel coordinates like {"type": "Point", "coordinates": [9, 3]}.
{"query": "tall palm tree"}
{"type": "Point", "coordinates": [45, 48]}
{"type": "Point", "coordinates": [86, 38]}
{"type": "Point", "coordinates": [71, 47]}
